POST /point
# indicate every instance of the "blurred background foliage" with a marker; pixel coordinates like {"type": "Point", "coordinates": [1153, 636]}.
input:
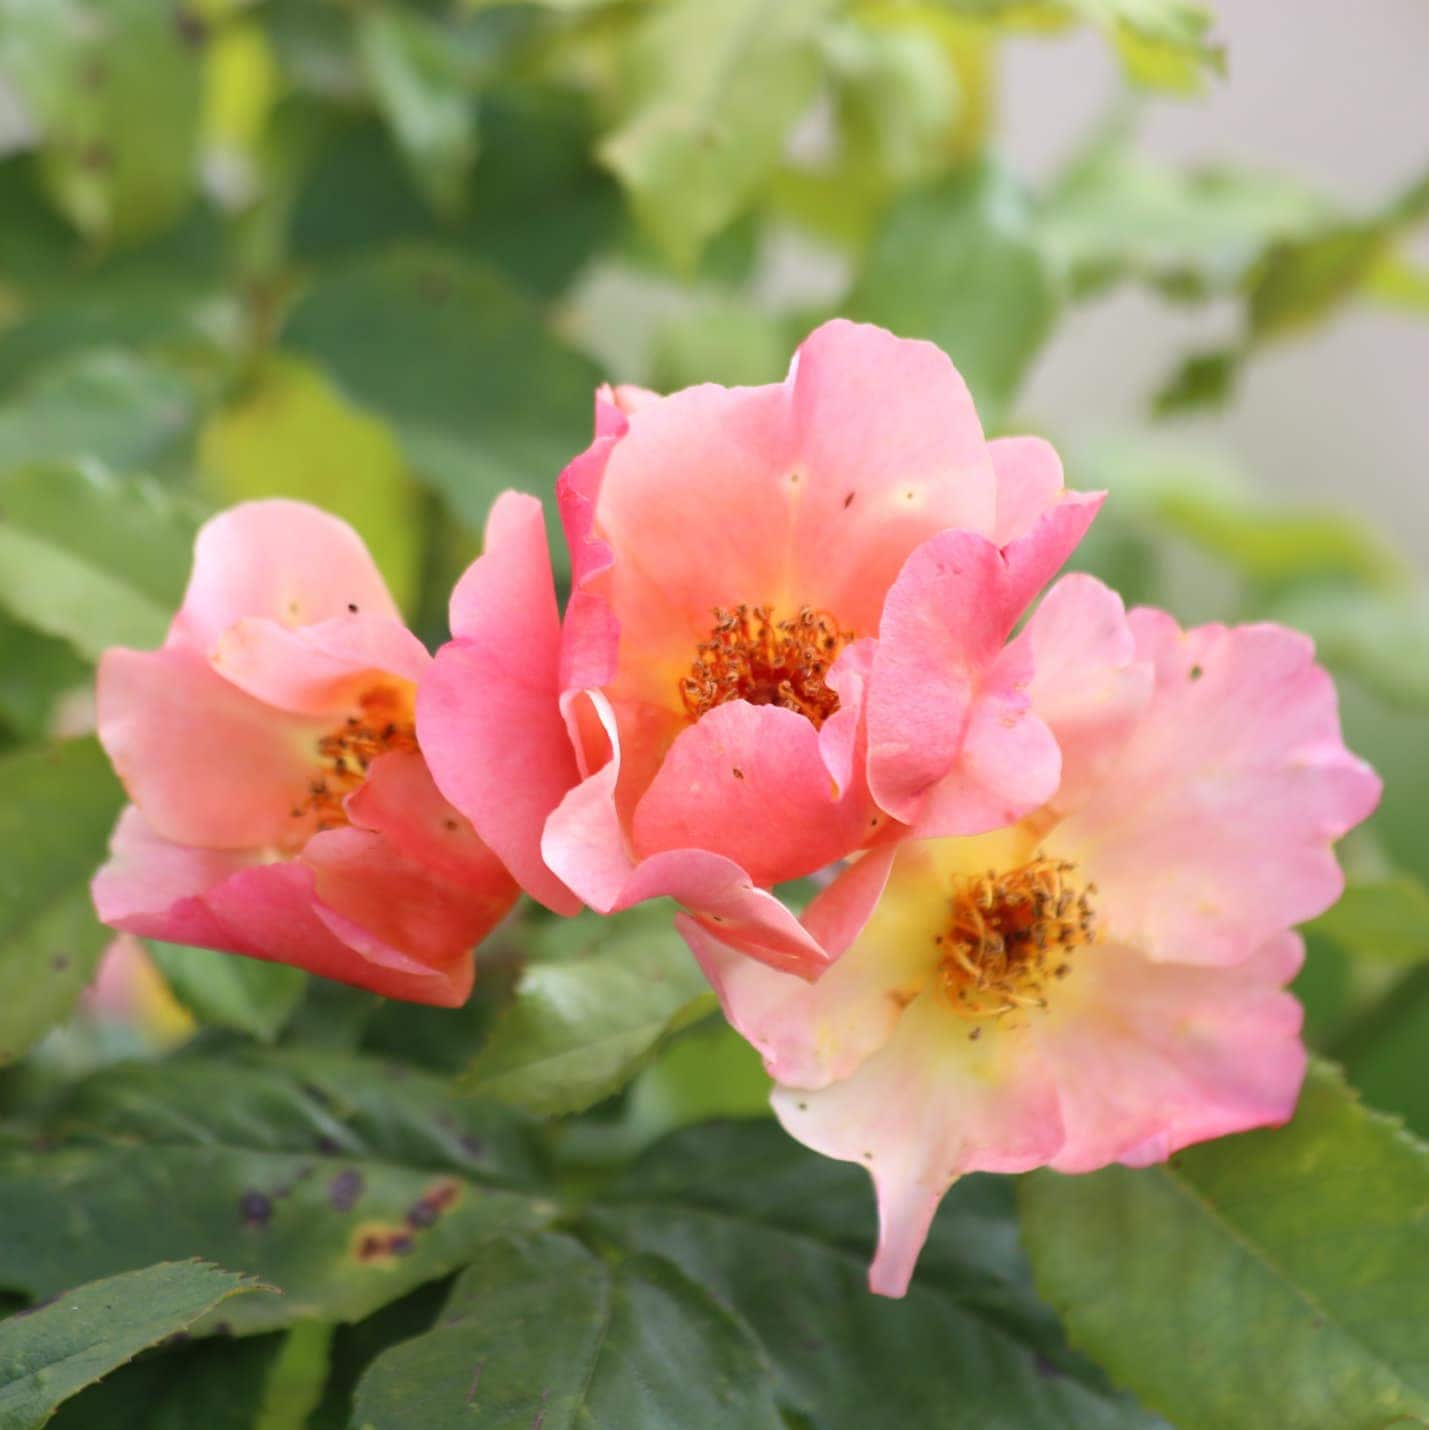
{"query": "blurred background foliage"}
{"type": "Point", "coordinates": [376, 254]}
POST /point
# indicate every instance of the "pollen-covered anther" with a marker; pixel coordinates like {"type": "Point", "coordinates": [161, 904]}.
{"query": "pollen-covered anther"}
{"type": "Point", "coordinates": [751, 656]}
{"type": "Point", "coordinates": [1010, 937]}
{"type": "Point", "coordinates": [382, 723]}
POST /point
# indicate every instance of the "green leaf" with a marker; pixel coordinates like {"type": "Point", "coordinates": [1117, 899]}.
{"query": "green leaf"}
{"type": "Point", "coordinates": [107, 405]}
{"type": "Point", "coordinates": [1382, 638]}
{"type": "Point", "coordinates": [1300, 283]}
{"type": "Point", "coordinates": [216, 1384]}
{"type": "Point", "coordinates": [1274, 543]}
{"type": "Point", "coordinates": [1275, 1278]}
{"type": "Point", "coordinates": [115, 90]}
{"type": "Point", "coordinates": [708, 1071]}
{"type": "Point", "coordinates": [94, 559]}
{"type": "Point", "coordinates": [1385, 919]}
{"type": "Point", "coordinates": [1383, 1050]}
{"type": "Point", "coordinates": [35, 671]}
{"type": "Point", "coordinates": [544, 1332]}
{"type": "Point", "coordinates": [480, 395]}
{"type": "Point", "coordinates": [57, 806]}
{"type": "Point", "coordinates": [420, 87]}
{"type": "Point", "coordinates": [342, 1181]}
{"type": "Point", "coordinates": [1116, 215]}
{"type": "Point", "coordinates": [289, 433]}
{"type": "Point", "coordinates": [710, 89]}
{"type": "Point", "coordinates": [784, 1237]}
{"type": "Point", "coordinates": [957, 264]}
{"type": "Point", "coordinates": [54, 1352]}
{"type": "Point", "coordinates": [244, 994]}
{"type": "Point", "coordinates": [579, 1030]}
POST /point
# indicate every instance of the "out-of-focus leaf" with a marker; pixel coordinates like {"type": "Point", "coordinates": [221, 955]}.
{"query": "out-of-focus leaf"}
{"type": "Point", "coordinates": [95, 559]}
{"type": "Point", "coordinates": [784, 1237]}
{"type": "Point", "coordinates": [1162, 44]}
{"type": "Point", "coordinates": [1398, 282]}
{"type": "Point", "coordinates": [1385, 919]}
{"type": "Point", "coordinates": [342, 1181]}
{"type": "Point", "coordinates": [707, 1072]}
{"type": "Point", "coordinates": [216, 1384]}
{"type": "Point", "coordinates": [115, 90]}
{"type": "Point", "coordinates": [727, 342]}
{"type": "Point", "coordinates": [1274, 544]}
{"type": "Point", "coordinates": [1382, 638]}
{"type": "Point", "coordinates": [354, 1347]}
{"type": "Point", "coordinates": [479, 393]}
{"type": "Point", "coordinates": [57, 806]}
{"type": "Point", "coordinates": [291, 434]}
{"type": "Point", "coordinates": [245, 994]}
{"type": "Point", "coordinates": [1270, 1279]}
{"type": "Point", "coordinates": [1116, 215]}
{"type": "Point", "coordinates": [1204, 379]}
{"type": "Point", "coordinates": [35, 670]}
{"type": "Point", "coordinates": [578, 1030]}
{"type": "Point", "coordinates": [111, 406]}
{"type": "Point", "coordinates": [542, 1331]}
{"type": "Point", "coordinates": [1383, 1050]}
{"type": "Point", "coordinates": [421, 91]}
{"type": "Point", "coordinates": [957, 264]}
{"type": "Point", "coordinates": [710, 90]}
{"type": "Point", "coordinates": [57, 1350]}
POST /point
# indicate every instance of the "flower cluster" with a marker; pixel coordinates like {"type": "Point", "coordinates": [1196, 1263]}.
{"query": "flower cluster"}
{"type": "Point", "coordinates": [1060, 857]}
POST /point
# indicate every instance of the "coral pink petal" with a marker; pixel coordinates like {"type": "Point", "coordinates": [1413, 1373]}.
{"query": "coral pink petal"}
{"type": "Point", "coordinates": [946, 705]}
{"type": "Point", "coordinates": [1151, 1057]}
{"type": "Point", "coordinates": [928, 1106]}
{"type": "Point", "coordinates": [320, 669]}
{"type": "Point", "coordinates": [585, 845]}
{"type": "Point", "coordinates": [810, 1034]}
{"type": "Point", "coordinates": [695, 503]}
{"type": "Point", "coordinates": [488, 714]}
{"type": "Point", "coordinates": [233, 903]}
{"type": "Point", "coordinates": [386, 901]}
{"type": "Point", "coordinates": [749, 782]}
{"type": "Point", "coordinates": [1029, 483]}
{"type": "Point", "coordinates": [890, 451]}
{"type": "Point", "coordinates": [1087, 685]}
{"type": "Point", "coordinates": [207, 764]}
{"type": "Point", "coordinates": [1215, 830]}
{"type": "Point", "coordinates": [281, 560]}
{"type": "Point", "coordinates": [400, 800]}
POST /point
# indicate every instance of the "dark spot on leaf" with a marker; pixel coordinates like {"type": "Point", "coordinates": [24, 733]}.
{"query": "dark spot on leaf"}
{"type": "Point", "coordinates": [434, 285]}
{"type": "Point", "coordinates": [94, 74]}
{"type": "Point", "coordinates": [1046, 1368]}
{"type": "Point", "coordinates": [178, 1338]}
{"type": "Point", "coordinates": [345, 1189]}
{"type": "Point", "coordinates": [60, 962]}
{"type": "Point", "coordinates": [328, 1146]}
{"type": "Point", "coordinates": [223, 1328]}
{"type": "Point", "coordinates": [1318, 1324]}
{"type": "Point", "coordinates": [255, 1208]}
{"type": "Point", "coordinates": [401, 1244]}
{"type": "Point", "coordinates": [95, 156]}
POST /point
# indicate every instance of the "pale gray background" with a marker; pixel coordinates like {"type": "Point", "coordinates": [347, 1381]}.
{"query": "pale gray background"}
{"type": "Point", "coordinates": [1335, 92]}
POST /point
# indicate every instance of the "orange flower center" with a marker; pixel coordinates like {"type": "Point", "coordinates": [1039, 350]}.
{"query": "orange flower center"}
{"type": "Point", "coordinates": [384, 721]}
{"type": "Point", "coordinates": [751, 656]}
{"type": "Point", "coordinates": [1010, 936]}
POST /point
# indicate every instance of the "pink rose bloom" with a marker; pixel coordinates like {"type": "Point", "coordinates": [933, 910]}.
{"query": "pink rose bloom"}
{"type": "Point", "coordinates": [1101, 981]}
{"type": "Point", "coordinates": [695, 726]}
{"type": "Point", "coordinates": [281, 805]}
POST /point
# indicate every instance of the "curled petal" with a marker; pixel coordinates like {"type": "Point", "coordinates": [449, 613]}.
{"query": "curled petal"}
{"type": "Point", "coordinates": [488, 714]}
{"type": "Point", "coordinates": [283, 561]}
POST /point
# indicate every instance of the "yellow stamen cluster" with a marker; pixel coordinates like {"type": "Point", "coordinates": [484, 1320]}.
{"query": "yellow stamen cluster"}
{"type": "Point", "coordinates": [1010, 936]}
{"type": "Point", "coordinates": [751, 656]}
{"type": "Point", "coordinates": [383, 723]}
